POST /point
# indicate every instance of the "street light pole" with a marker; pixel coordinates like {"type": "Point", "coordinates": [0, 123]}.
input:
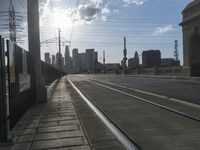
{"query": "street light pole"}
{"type": "Point", "coordinates": [59, 46]}
{"type": "Point", "coordinates": [104, 65]}
{"type": "Point", "coordinates": [125, 58]}
{"type": "Point", "coordinates": [34, 49]}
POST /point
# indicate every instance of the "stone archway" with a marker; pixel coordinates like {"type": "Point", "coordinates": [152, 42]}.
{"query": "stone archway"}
{"type": "Point", "coordinates": [194, 53]}
{"type": "Point", "coordinates": [191, 37]}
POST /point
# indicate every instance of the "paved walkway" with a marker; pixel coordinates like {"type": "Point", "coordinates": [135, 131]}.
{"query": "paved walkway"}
{"type": "Point", "coordinates": [54, 125]}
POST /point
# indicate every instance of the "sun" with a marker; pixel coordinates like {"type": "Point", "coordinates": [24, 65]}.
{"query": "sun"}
{"type": "Point", "coordinates": [62, 21]}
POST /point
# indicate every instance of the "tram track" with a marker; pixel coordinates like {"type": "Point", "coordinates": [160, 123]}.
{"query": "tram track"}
{"type": "Point", "coordinates": [85, 86]}
{"type": "Point", "coordinates": [112, 86]}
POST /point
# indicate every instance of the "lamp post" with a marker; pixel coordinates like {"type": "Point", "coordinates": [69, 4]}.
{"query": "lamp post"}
{"type": "Point", "coordinates": [125, 58]}
{"type": "Point", "coordinates": [104, 65]}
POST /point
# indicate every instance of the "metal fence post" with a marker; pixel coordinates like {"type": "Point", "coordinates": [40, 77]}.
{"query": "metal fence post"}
{"type": "Point", "coordinates": [3, 105]}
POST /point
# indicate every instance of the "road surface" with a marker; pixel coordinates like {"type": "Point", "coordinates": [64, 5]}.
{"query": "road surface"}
{"type": "Point", "coordinates": [155, 120]}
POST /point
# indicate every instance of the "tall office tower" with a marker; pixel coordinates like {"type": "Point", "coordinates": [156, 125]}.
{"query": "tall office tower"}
{"type": "Point", "coordinates": [91, 60]}
{"type": "Point", "coordinates": [58, 56]}
{"type": "Point", "coordinates": [67, 60]}
{"type": "Point", "coordinates": [53, 60]}
{"type": "Point", "coordinates": [82, 62]}
{"type": "Point", "coordinates": [47, 58]}
{"type": "Point", "coordinates": [75, 60]}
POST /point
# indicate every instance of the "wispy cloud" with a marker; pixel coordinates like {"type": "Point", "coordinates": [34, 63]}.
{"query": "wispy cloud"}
{"type": "Point", "coordinates": [92, 11]}
{"type": "Point", "coordinates": [162, 30]}
{"type": "Point", "coordinates": [116, 11]}
{"type": "Point", "coordinates": [133, 2]}
{"type": "Point", "coordinates": [84, 14]}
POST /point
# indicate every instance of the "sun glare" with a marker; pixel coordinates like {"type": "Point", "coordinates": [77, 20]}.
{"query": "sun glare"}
{"type": "Point", "coordinates": [62, 21]}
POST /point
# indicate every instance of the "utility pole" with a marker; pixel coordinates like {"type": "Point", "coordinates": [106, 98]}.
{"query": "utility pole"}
{"type": "Point", "coordinates": [34, 49]}
{"type": "Point", "coordinates": [12, 22]}
{"type": "Point", "coordinates": [176, 55]}
{"type": "Point", "coordinates": [104, 65]}
{"type": "Point", "coordinates": [125, 58]}
{"type": "Point", "coordinates": [59, 46]}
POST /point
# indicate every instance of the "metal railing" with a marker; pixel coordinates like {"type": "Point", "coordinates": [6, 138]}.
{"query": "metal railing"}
{"type": "Point", "coordinates": [3, 106]}
{"type": "Point", "coordinates": [20, 84]}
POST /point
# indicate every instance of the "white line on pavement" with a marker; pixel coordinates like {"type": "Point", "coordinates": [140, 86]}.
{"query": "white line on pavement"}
{"type": "Point", "coordinates": [119, 135]}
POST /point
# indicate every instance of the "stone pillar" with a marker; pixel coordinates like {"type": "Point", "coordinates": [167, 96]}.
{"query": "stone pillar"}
{"type": "Point", "coordinates": [34, 49]}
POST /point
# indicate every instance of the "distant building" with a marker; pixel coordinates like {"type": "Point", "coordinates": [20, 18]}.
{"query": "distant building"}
{"type": "Point", "coordinates": [91, 60]}
{"type": "Point", "coordinates": [63, 63]}
{"type": "Point", "coordinates": [82, 62]}
{"type": "Point", "coordinates": [68, 63]}
{"type": "Point", "coordinates": [53, 60]}
{"type": "Point", "coordinates": [112, 66]}
{"type": "Point", "coordinates": [151, 58]}
{"type": "Point", "coordinates": [133, 62]}
{"type": "Point", "coordinates": [122, 64]}
{"type": "Point", "coordinates": [75, 61]}
{"type": "Point", "coordinates": [47, 58]}
{"type": "Point", "coordinates": [95, 61]}
{"type": "Point", "coordinates": [169, 62]}
{"type": "Point", "coordinates": [58, 60]}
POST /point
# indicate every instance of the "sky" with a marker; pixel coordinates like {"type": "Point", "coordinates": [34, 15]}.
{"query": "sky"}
{"type": "Point", "coordinates": [102, 25]}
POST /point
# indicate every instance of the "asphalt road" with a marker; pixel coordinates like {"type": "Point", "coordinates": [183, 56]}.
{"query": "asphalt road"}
{"type": "Point", "coordinates": [151, 127]}
{"type": "Point", "coordinates": [183, 90]}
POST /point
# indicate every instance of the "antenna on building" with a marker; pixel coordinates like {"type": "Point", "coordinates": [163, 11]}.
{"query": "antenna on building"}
{"type": "Point", "coordinates": [176, 54]}
{"type": "Point", "coordinates": [12, 22]}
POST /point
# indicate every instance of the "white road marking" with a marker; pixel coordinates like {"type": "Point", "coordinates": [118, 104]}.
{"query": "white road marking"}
{"type": "Point", "coordinates": [119, 135]}
{"type": "Point", "coordinates": [152, 94]}
{"type": "Point", "coordinates": [147, 101]}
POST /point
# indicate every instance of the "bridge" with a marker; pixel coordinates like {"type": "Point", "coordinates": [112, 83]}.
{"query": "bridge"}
{"type": "Point", "coordinates": [41, 107]}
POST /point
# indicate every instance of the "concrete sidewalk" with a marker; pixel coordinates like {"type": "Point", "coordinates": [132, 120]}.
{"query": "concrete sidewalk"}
{"type": "Point", "coordinates": [54, 125]}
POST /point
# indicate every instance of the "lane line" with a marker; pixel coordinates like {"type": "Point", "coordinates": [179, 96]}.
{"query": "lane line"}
{"type": "Point", "coordinates": [149, 102]}
{"type": "Point", "coordinates": [129, 145]}
{"type": "Point", "coordinates": [150, 93]}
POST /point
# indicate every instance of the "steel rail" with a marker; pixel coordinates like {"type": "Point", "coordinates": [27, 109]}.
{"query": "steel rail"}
{"type": "Point", "coordinates": [122, 137]}
{"type": "Point", "coordinates": [145, 100]}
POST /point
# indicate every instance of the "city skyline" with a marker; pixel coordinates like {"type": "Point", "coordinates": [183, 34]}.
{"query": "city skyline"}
{"type": "Point", "coordinates": [102, 25]}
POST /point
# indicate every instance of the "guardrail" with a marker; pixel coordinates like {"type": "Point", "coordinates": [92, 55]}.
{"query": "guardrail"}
{"type": "Point", "coordinates": [168, 71]}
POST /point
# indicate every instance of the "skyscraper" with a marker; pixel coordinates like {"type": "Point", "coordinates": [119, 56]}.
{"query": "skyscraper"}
{"type": "Point", "coordinates": [133, 62]}
{"type": "Point", "coordinates": [75, 60]}
{"type": "Point", "coordinates": [82, 62]}
{"type": "Point", "coordinates": [58, 58]}
{"type": "Point", "coordinates": [47, 58]}
{"type": "Point", "coordinates": [91, 60]}
{"type": "Point", "coordinates": [53, 60]}
{"type": "Point", "coordinates": [67, 60]}
{"type": "Point", "coordinates": [62, 63]}
{"type": "Point", "coordinates": [137, 59]}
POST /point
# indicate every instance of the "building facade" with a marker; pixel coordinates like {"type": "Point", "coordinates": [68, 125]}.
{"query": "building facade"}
{"type": "Point", "coordinates": [151, 58]}
{"type": "Point", "coordinates": [75, 61]}
{"type": "Point", "coordinates": [47, 58]}
{"type": "Point", "coordinates": [82, 62]}
{"type": "Point", "coordinates": [169, 62]}
{"type": "Point", "coordinates": [58, 60]}
{"type": "Point", "coordinates": [53, 60]}
{"type": "Point", "coordinates": [91, 60]}
{"type": "Point", "coordinates": [134, 63]}
{"type": "Point", "coordinates": [191, 37]}
{"type": "Point", "coordinates": [68, 63]}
